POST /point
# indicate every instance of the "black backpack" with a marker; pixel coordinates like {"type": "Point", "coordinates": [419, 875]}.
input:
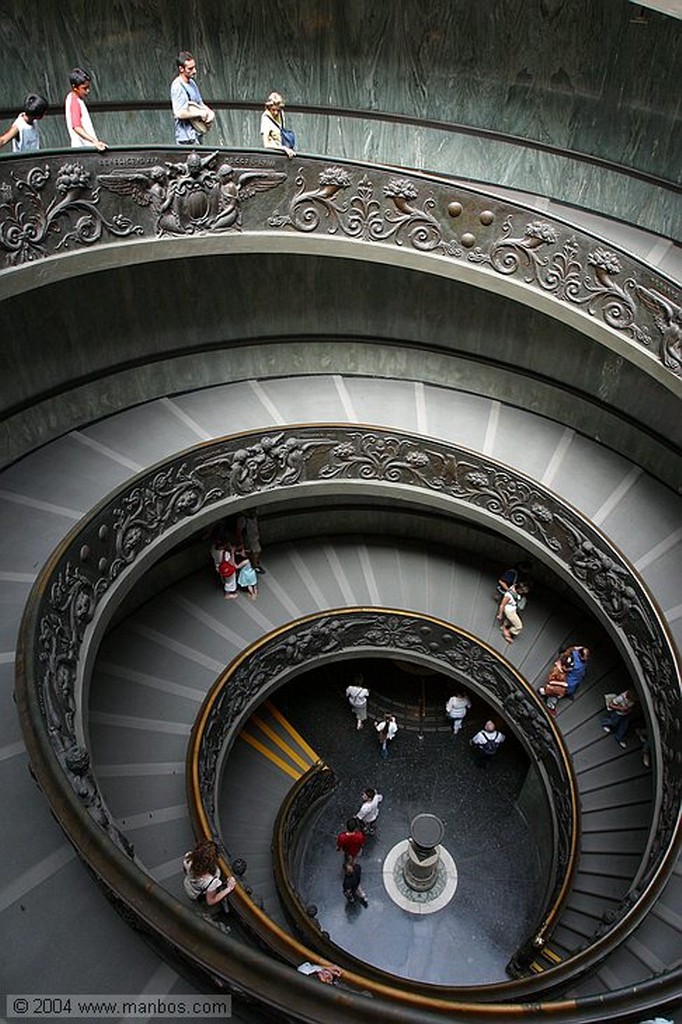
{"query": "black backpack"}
{"type": "Point", "coordinates": [490, 746]}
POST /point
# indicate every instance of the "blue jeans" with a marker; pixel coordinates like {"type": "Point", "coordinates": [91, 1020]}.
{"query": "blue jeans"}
{"type": "Point", "coordinates": [618, 724]}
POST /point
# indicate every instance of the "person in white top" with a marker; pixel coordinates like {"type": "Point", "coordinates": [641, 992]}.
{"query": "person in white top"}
{"type": "Point", "coordinates": [273, 131]}
{"type": "Point", "coordinates": [357, 698]}
{"type": "Point", "coordinates": [78, 121]}
{"type": "Point", "coordinates": [24, 133]}
{"type": "Point", "coordinates": [386, 729]}
{"type": "Point", "coordinates": [487, 742]}
{"type": "Point", "coordinates": [369, 811]}
{"type": "Point", "coordinates": [456, 709]}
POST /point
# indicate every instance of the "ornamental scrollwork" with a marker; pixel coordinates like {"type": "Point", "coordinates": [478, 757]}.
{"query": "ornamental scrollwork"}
{"type": "Point", "coordinates": [548, 257]}
{"type": "Point", "coordinates": [28, 217]}
{"type": "Point", "coordinates": [363, 215]}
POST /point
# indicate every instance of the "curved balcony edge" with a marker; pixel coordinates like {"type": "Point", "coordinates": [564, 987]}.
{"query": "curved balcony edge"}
{"type": "Point", "coordinates": [61, 217]}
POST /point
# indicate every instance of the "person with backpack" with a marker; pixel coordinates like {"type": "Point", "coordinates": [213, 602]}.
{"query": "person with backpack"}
{"type": "Point", "coordinates": [227, 570]}
{"type": "Point", "coordinates": [203, 880]}
{"type": "Point", "coordinates": [487, 742]}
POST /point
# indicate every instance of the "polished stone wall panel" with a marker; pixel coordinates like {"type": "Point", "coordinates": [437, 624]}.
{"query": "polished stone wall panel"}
{"type": "Point", "coordinates": [580, 74]}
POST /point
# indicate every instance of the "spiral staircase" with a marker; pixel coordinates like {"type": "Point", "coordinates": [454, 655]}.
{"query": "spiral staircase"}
{"type": "Point", "coordinates": [156, 665]}
{"type": "Point", "coordinates": [417, 380]}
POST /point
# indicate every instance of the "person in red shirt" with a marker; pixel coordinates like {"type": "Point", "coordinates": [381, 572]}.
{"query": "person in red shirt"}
{"type": "Point", "coordinates": [351, 841]}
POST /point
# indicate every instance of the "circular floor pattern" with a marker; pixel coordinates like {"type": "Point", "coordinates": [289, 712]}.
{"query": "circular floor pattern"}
{"type": "Point", "coordinates": [408, 899]}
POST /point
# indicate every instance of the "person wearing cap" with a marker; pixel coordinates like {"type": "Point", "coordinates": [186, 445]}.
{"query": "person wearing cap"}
{"type": "Point", "coordinates": [273, 131]}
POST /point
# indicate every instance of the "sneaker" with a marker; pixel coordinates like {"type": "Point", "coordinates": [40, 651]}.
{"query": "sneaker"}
{"type": "Point", "coordinates": [606, 728]}
{"type": "Point", "coordinates": [363, 900]}
{"type": "Point", "coordinates": [623, 744]}
{"type": "Point", "coordinates": [646, 760]}
{"type": "Point", "coordinates": [260, 570]}
{"type": "Point", "coordinates": [551, 709]}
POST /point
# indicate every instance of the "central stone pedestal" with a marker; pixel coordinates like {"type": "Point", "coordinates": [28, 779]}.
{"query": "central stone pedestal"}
{"type": "Point", "coordinates": [423, 861]}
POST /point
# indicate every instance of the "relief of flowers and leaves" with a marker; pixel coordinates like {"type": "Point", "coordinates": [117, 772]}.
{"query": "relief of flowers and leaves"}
{"type": "Point", "coordinates": [363, 215]}
{"type": "Point", "coordinates": [588, 281]}
{"type": "Point", "coordinates": [30, 215]}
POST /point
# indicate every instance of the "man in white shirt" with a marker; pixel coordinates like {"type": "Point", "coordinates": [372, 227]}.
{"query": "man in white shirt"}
{"type": "Point", "coordinates": [369, 811]}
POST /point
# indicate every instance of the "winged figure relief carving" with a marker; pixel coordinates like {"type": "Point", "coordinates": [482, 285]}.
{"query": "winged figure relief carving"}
{"type": "Point", "coordinates": [192, 196]}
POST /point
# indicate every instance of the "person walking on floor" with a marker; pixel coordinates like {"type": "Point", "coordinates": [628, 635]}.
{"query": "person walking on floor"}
{"type": "Point", "coordinates": [565, 676]}
{"type": "Point", "coordinates": [203, 880]}
{"type": "Point", "coordinates": [24, 133]}
{"type": "Point", "coordinates": [619, 708]}
{"type": "Point", "coordinates": [247, 578]}
{"type": "Point", "coordinates": [456, 709]}
{"type": "Point", "coordinates": [508, 611]}
{"type": "Point", "coordinates": [351, 841]}
{"type": "Point", "coordinates": [386, 730]}
{"type": "Point", "coordinates": [352, 890]}
{"type": "Point", "coordinates": [357, 695]}
{"type": "Point", "coordinates": [369, 811]}
{"type": "Point", "coordinates": [273, 131]}
{"type": "Point", "coordinates": [78, 121]}
{"type": "Point", "coordinates": [487, 742]}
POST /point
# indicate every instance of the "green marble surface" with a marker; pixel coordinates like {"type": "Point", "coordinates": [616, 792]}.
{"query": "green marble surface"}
{"type": "Point", "coordinates": [583, 75]}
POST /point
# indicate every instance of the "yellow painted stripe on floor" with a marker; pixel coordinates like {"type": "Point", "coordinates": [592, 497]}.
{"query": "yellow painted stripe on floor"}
{"type": "Point", "coordinates": [279, 742]}
{"type": "Point", "coordinates": [536, 968]}
{"type": "Point", "coordinates": [277, 714]}
{"type": "Point", "coordinates": [262, 749]}
{"type": "Point", "coordinates": [551, 955]}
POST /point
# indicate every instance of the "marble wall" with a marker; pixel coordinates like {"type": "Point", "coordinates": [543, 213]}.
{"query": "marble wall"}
{"type": "Point", "coordinates": [585, 75]}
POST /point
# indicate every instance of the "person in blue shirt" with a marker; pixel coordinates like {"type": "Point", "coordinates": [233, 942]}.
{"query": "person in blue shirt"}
{"type": "Point", "coordinates": [192, 117]}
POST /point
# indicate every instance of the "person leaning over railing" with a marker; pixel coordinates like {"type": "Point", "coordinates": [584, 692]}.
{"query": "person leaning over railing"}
{"type": "Point", "coordinates": [273, 131]}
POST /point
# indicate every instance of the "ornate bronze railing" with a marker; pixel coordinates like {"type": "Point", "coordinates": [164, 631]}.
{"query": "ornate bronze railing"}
{"type": "Point", "coordinates": [347, 632]}
{"type": "Point", "coordinates": [56, 207]}
{"type": "Point", "coordinates": [77, 590]}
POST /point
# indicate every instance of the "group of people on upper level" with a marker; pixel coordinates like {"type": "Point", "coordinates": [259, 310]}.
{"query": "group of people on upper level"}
{"type": "Point", "coordinates": [236, 554]}
{"type": "Point", "coordinates": [192, 117]}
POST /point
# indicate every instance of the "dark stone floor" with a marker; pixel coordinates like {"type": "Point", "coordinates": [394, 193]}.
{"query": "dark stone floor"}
{"type": "Point", "coordinates": [497, 899]}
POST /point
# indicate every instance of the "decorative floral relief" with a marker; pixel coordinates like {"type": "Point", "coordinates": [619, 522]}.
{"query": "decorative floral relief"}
{"type": "Point", "coordinates": [27, 216]}
{"type": "Point", "coordinates": [56, 206]}
{"type": "Point", "coordinates": [559, 266]}
{"type": "Point", "coordinates": [363, 216]}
